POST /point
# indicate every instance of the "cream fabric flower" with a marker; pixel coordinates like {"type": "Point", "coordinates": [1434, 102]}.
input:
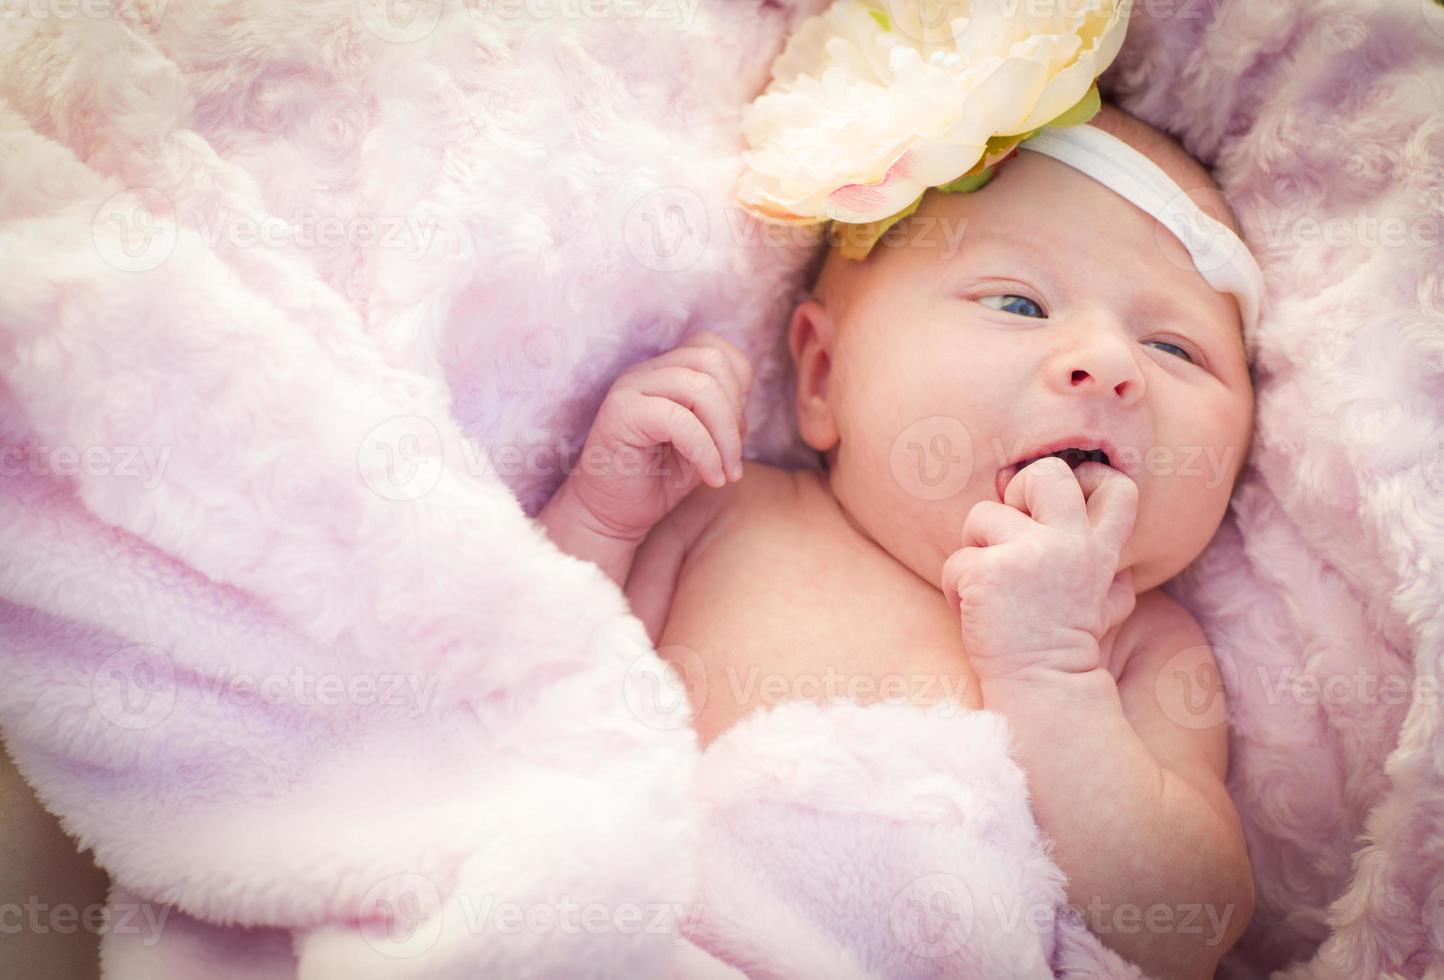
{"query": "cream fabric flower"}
{"type": "Point", "coordinates": [872, 102]}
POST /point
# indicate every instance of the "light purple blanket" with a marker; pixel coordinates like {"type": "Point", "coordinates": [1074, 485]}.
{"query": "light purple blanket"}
{"type": "Point", "coordinates": [302, 305]}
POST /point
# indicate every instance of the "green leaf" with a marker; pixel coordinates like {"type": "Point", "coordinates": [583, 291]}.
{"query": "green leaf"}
{"type": "Point", "coordinates": [1081, 111]}
{"type": "Point", "coordinates": [969, 183]}
{"type": "Point", "coordinates": [858, 239]}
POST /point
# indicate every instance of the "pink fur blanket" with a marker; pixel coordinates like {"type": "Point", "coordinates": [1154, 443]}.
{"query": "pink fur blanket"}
{"type": "Point", "coordinates": [303, 305]}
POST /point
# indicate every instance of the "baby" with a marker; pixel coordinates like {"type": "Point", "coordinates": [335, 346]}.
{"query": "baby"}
{"type": "Point", "coordinates": [1024, 430]}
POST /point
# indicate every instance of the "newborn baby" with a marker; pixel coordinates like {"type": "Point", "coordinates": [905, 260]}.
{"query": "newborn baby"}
{"type": "Point", "coordinates": [1031, 409]}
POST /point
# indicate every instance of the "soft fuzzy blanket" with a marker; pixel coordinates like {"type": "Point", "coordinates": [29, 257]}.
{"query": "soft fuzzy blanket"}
{"type": "Point", "coordinates": [303, 305]}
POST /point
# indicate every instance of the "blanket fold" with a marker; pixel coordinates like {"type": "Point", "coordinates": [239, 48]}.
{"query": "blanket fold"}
{"type": "Point", "coordinates": [880, 841]}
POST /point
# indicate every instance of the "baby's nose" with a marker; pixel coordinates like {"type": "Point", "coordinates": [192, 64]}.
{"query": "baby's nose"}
{"type": "Point", "coordinates": [1103, 368]}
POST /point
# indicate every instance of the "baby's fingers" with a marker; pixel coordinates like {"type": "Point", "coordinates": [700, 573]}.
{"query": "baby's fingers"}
{"type": "Point", "coordinates": [1120, 601]}
{"type": "Point", "coordinates": [961, 568]}
{"type": "Point", "coordinates": [704, 396]}
{"type": "Point", "coordinates": [1112, 503]}
{"type": "Point", "coordinates": [658, 421]}
{"type": "Point", "coordinates": [708, 353]}
{"type": "Point", "coordinates": [990, 523]}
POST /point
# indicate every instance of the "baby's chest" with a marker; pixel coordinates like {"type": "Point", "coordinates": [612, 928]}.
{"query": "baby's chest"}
{"type": "Point", "coordinates": [771, 613]}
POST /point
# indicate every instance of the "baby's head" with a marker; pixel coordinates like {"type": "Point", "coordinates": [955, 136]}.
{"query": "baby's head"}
{"type": "Point", "coordinates": [1042, 307]}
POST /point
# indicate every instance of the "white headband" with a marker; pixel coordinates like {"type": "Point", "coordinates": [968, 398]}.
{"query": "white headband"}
{"type": "Point", "coordinates": [1220, 256]}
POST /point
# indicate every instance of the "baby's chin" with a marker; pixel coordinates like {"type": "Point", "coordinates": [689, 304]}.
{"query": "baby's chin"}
{"type": "Point", "coordinates": [1153, 566]}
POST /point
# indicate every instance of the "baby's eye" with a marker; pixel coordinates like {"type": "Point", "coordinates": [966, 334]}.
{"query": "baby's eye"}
{"type": "Point", "coordinates": [1174, 347]}
{"type": "Point", "coordinates": [1009, 303]}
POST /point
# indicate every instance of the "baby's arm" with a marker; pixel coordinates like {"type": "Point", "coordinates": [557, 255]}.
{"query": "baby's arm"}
{"type": "Point", "coordinates": [573, 529]}
{"type": "Point", "coordinates": [1127, 779]}
{"type": "Point", "coordinates": [1131, 795]}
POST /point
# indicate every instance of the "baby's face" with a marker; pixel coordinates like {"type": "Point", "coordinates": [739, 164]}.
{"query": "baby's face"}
{"type": "Point", "coordinates": [1044, 307]}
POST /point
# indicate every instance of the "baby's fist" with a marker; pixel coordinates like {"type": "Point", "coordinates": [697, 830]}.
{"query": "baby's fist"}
{"type": "Point", "coordinates": [664, 425]}
{"type": "Point", "coordinates": [1036, 582]}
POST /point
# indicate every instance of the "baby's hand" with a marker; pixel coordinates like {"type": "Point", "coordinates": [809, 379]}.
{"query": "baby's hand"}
{"type": "Point", "coordinates": [664, 424]}
{"type": "Point", "coordinates": [1036, 581]}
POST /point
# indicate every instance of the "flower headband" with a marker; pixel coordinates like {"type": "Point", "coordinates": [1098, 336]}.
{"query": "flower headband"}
{"type": "Point", "coordinates": [874, 102]}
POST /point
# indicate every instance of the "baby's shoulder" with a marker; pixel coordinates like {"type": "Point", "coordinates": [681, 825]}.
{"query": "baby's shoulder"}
{"type": "Point", "coordinates": [1159, 627]}
{"type": "Point", "coordinates": [763, 493]}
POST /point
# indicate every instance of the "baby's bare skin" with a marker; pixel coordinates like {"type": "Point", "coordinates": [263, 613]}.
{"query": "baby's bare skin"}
{"type": "Point", "coordinates": [761, 552]}
{"type": "Point", "coordinates": [780, 598]}
{"type": "Point", "coordinates": [1069, 313]}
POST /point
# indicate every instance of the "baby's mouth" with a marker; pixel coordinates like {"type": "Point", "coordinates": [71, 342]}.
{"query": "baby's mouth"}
{"type": "Point", "coordinates": [1091, 453]}
{"type": "Point", "coordinates": [1073, 456]}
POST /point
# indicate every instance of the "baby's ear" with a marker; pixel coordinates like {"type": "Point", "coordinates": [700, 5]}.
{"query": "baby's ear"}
{"type": "Point", "coordinates": [810, 337]}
